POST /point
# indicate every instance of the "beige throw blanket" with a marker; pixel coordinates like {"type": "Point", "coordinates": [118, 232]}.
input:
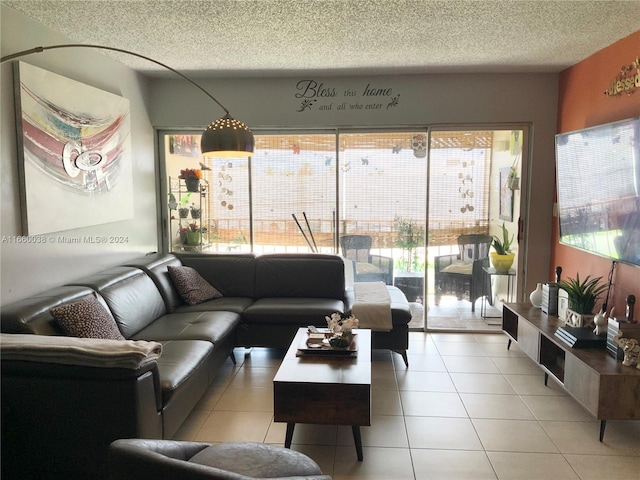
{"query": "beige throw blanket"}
{"type": "Point", "coordinates": [372, 305]}
{"type": "Point", "coordinates": [130, 354]}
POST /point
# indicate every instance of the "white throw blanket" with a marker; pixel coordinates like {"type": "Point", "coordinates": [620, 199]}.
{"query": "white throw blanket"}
{"type": "Point", "coordinates": [372, 305]}
{"type": "Point", "coordinates": [131, 354]}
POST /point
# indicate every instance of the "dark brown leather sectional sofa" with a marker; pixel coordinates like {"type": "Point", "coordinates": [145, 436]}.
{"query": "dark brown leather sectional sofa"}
{"type": "Point", "coordinates": [58, 420]}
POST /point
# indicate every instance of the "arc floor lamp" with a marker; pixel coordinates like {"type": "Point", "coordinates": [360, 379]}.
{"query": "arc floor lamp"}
{"type": "Point", "coordinates": [225, 137]}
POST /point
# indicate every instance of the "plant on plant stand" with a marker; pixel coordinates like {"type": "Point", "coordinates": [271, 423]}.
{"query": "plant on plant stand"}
{"type": "Point", "coordinates": [191, 177]}
{"type": "Point", "coordinates": [502, 258]}
{"type": "Point", "coordinates": [583, 296]}
{"type": "Point", "coordinates": [194, 234]}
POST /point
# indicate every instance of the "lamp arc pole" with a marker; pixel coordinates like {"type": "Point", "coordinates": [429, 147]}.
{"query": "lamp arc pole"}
{"type": "Point", "coordinates": [225, 137]}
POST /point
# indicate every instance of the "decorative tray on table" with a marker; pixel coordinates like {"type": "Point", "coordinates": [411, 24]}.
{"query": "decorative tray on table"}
{"type": "Point", "coordinates": [318, 344]}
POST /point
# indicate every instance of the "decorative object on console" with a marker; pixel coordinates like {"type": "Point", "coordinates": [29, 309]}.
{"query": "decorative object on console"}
{"type": "Point", "coordinates": [631, 301]}
{"type": "Point", "coordinates": [619, 327]}
{"type": "Point", "coordinates": [225, 137]}
{"type": "Point", "coordinates": [600, 322]}
{"type": "Point", "coordinates": [550, 298]}
{"type": "Point", "coordinates": [342, 329]}
{"type": "Point", "coordinates": [536, 296]}
{"type": "Point", "coordinates": [631, 351]}
{"type": "Point", "coordinates": [502, 258]}
{"type": "Point", "coordinates": [582, 299]}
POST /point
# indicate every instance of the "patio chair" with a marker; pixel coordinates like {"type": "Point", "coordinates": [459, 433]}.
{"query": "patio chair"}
{"type": "Point", "coordinates": [366, 267]}
{"type": "Point", "coordinates": [461, 274]}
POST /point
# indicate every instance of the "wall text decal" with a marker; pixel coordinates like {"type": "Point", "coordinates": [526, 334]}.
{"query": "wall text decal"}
{"type": "Point", "coordinates": [626, 81]}
{"type": "Point", "coordinates": [320, 96]}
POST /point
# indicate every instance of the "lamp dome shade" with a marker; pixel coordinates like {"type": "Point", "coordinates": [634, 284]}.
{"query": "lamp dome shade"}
{"type": "Point", "coordinates": [227, 138]}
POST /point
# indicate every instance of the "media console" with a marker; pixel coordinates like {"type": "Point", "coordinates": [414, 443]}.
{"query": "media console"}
{"type": "Point", "coordinates": [600, 383]}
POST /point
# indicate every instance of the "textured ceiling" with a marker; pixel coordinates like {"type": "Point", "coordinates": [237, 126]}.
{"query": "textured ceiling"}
{"type": "Point", "coordinates": [281, 37]}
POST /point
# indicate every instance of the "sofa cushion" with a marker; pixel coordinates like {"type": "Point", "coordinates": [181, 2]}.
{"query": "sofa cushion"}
{"type": "Point", "coordinates": [312, 275]}
{"type": "Point", "coordinates": [131, 295]}
{"type": "Point", "coordinates": [87, 318]}
{"type": "Point", "coordinates": [233, 274]}
{"type": "Point", "coordinates": [191, 286]}
{"type": "Point", "coordinates": [33, 314]}
{"type": "Point", "coordinates": [179, 362]}
{"type": "Point", "coordinates": [297, 311]}
{"type": "Point", "coordinates": [209, 326]}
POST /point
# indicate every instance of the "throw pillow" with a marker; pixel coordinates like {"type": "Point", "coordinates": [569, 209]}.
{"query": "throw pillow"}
{"type": "Point", "coordinates": [191, 286]}
{"type": "Point", "coordinates": [87, 318]}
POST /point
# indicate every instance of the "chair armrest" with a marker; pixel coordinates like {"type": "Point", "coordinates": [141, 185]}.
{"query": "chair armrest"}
{"type": "Point", "coordinates": [385, 264]}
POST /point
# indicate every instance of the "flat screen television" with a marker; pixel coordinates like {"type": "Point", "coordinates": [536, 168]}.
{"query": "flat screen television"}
{"type": "Point", "coordinates": [598, 182]}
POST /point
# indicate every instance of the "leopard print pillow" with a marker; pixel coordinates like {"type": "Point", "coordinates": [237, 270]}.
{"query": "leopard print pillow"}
{"type": "Point", "coordinates": [87, 318]}
{"type": "Point", "coordinates": [191, 286]}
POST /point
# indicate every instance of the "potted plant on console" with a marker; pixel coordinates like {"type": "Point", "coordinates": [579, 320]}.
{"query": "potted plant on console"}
{"type": "Point", "coordinates": [502, 258]}
{"type": "Point", "coordinates": [583, 296]}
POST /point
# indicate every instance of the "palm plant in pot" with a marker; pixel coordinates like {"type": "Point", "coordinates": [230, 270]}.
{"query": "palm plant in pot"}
{"type": "Point", "coordinates": [583, 296]}
{"type": "Point", "coordinates": [502, 258]}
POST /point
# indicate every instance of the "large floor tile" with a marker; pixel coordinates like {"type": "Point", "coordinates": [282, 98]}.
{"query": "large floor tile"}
{"type": "Point", "coordinates": [247, 399]}
{"type": "Point", "coordinates": [422, 363]}
{"type": "Point", "coordinates": [385, 431]}
{"type": "Point", "coordinates": [482, 405]}
{"type": "Point", "coordinates": [531, 466]}
{"type": "Point", "coordinates": [534, 385]}
{"type": "Point", "coordinates": [432, 404]}
{"type": "Point", "coordinates": [451, 465]}
{"type": "Point", "coordinates": [599, 467]}
{"type": "Point", "coordinates": [442, 433]}
{"type": "Point", "coordinates": [513, 436]}
{"type": "Point", "coordinates": [481, 383]}
{"type": "Point", "coordinates": [517, 365]}
{"type": "Point", "coordinates": [385, 402]}
{"type": "Point", "coordinates": [378, 464]}
{"type": "Point", "coordinates": [463, 349]}
{"type": "Point", "coordinates": [383, 379]}
{"type": "Point", "coordinates": [582, 438]}
{"type": "Point", "coordinates": [461, 364]}
{"type": "Point", "coordinates": [225, 426]}
{"type": "Point", "coordinates": [323, 455]}
{"type": "Point", "coordinates": [556, 408]}
{"type": "Point", "coordinates": [425, 381]}
{"type": "Point", "coordinates": [253, 377]}
{"type": "Point", "coordinates": [499, 349]}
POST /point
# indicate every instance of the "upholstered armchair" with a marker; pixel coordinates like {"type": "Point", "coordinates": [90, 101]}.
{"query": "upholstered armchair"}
{"type": "Point", "coordinates": [461, 274]}
{"type": "Point", "coordinates": [366, 267]}
{"type": "Point", "coordinates": [139, 459]}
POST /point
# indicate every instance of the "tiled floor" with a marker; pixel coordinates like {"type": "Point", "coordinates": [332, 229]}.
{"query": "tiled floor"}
{"type": "Point", "coordinates": [454, 314]}
{"type": "Point", "coordinates": [466, 408]}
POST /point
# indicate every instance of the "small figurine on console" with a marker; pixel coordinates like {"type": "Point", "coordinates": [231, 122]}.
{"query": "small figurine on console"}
{"type": "Point", "coordinates": [601, 323]}
{"type": "Point", "coordinates": [631, 350]}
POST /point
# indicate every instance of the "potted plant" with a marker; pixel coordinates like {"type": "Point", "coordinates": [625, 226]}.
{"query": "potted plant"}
{"type": "Point", "coordinates": [410, 237]}
{"type": "Point", "coordinates": [583, 296]}
{"type": "Point", "coordinates": [194, 234]}
{"type": "Point", "coordinates": [502, 258]}
{"type": "Point", "coordinates": [191, 177]}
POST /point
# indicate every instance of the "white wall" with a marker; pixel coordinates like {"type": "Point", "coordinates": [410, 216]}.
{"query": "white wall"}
{"type": "Point", "coordinates": [497, 100]}
{"type": "Point", "coordinates": [27, 269]}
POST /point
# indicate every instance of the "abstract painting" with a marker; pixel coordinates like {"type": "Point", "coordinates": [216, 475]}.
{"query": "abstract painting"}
{"type": "Point", "coordinates": [75, 147]}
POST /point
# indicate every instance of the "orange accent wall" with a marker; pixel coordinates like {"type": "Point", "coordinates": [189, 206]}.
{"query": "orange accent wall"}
{"type": "Point", "coordinates": [581, 104]}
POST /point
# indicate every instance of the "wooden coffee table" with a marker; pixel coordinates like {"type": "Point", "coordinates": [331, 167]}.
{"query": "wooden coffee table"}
{"type": "Point", "coordinates": [324, 389]}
